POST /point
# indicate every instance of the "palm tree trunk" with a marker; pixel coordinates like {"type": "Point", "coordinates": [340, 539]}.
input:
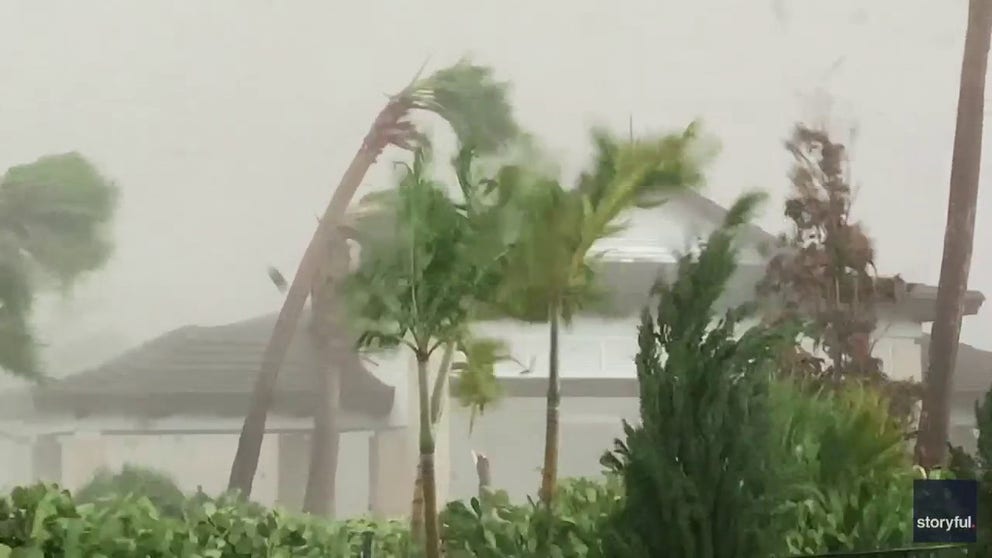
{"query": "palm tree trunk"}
{"type": "Point", "coordinates": [325, 441]}
{"type": "Point", "coordinates": [417, 507]}
{"type": "Point", "coordinates": [959, 234]}
{"type": "Point", "coordinates": [250, 442]}
{"type": "Point", "coordinates": [432, 535]}
{"type": "Point", "coordinates": [549, 474]}
{"type": "Point", "coordinates": [438, 395]}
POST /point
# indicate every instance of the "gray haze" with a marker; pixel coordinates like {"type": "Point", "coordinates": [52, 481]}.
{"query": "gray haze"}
{"type": "Point", "coordinates": [228, 122]}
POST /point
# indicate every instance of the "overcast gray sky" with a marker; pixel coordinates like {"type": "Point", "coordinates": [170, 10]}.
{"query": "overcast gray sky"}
{"type": "Point", "coordinates": [227, 122]}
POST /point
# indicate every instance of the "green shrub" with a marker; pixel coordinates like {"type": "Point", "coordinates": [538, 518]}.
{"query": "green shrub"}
{"type": "Point", "coordinates": [43, 521]}
{"type": "Point", "coordinates": [133, 480]}
{"type": "Point", "coordinates": [848, 470]}
{"type": "Point", "coordinates": [494, 528]}
{"type": "Point", "coordinates": [699, 473]}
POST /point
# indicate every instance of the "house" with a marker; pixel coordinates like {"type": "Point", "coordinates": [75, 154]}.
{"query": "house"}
{"type": "Point", "coordinates": [177, 401]}
{"type": "Point", "coordinates": [972, 380]}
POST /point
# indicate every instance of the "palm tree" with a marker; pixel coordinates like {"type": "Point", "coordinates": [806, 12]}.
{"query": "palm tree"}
{"type": "Point", "coordinates": [325, 328]}
{"type": "Point", "coordinates": [476, 107]}
{"type": "Point", "coordinates": [416, 287]}
{"type": "Point", "coordinates": [550, 275]}
{"type": "Point", "coordinates": [959, 236]}
{"type": "Point", "coordinates": [53, 228]}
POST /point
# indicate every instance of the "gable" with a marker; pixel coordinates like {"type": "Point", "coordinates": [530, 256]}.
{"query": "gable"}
{"type": "Point", "coordinates": [661, 233]}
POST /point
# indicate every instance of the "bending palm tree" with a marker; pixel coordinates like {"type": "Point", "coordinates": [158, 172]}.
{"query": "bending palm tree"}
{"type": "Point", "coordinates": [53, 217]}
{"type": "Point", "coordinates": [477, 108]}
{"type": "Point", "coordinates": [550, 276]}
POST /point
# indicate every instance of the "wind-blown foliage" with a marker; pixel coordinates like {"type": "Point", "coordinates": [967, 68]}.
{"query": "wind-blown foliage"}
{"type": "Point", "coordinates": [160, 489]}
{"type": "Point", "coordinates": [417, 286]}
{"type": "Point", "coordinates": [699, 472]}
{"type": "Point", "coordinates": [847, 469]}
{"type": "Point", "coordinates": [474, 104]}
{"type": "Point", "coordinates": [478, 109]}
{"type": "Point", "coordinates": [550, 273]}
{"type": "Point", "coordinates": [53, 228]}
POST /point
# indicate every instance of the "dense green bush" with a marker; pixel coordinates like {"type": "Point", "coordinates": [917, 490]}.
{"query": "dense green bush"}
{"type": "Point", "coordinates": [43, 521]}
{"type": "Point", "coordinates": [494, 528]}
{"type": "Point", "coordinates": [700, 472]}
{"type": "Point", "coordinates": [133, 480]}
{"type": "Point", "coordinates": [848, 469]}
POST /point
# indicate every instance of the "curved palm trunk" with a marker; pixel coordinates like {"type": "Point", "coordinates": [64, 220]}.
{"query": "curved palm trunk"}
{"type": "Point", "coordinates": [959, 236]}
{"type": "Point", "coordinates": [549, 474]}
{"type": "Point", "coordinates": [250, 442]}
{"type": "Point", "coordinates": [325, 441]}
{"type": "Point", "coordinates": [325, 330]}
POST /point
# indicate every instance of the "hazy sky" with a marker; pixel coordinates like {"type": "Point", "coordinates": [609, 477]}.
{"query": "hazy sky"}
{"type": "Point", "coordinates": [227, 123]}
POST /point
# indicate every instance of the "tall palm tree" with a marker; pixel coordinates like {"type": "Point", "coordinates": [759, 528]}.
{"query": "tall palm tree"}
{"type": "Point", "coordinates": [325, 329]}
{"type": "Point", "coordinates": [417, 286]}
{"type": "Point", "coordinates": [54, 215]}
{"type": "Point", "coordinates": [476, 107]}
{"type": "Point", "coordinates": [550, 275]}
{"type": "Point", "coordinates": [959, 236]}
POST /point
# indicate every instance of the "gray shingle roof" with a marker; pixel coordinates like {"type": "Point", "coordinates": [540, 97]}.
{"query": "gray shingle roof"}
{"type": "Point", "coordinates": [973, 372]}
{"type": "Point", "coordinates": [211, 371]}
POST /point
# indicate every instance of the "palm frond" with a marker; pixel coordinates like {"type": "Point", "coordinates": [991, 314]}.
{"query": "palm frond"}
{"type": "Point", "coordinates": [473, 102]}
{"type": "Point", "coordinates": [478, 386]}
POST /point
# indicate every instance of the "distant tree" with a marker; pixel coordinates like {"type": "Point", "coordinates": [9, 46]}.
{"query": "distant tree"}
{"type": "Point", "coordinates": [132, 480]}
{"type": "Point", "coordinates": [959, 237]}
{"type": "Point", "coordinates": [54, 217]}
{"type": "Point", "coordinates": [477, 109]}
{"type": "Point", "coordinates": [824, 272]}
{"type": "Point", "coordinates": [550, 276]}
{"type": "Point", "coordinates": [699, 470]}
{"type": "Point", "coordinates": [417, 286]}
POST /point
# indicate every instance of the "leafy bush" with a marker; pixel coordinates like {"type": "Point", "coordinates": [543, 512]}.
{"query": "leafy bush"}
{"type": "Point", "coordinates": [699, 473]}
{"type": "Point", "coordinates": [133, 480]}
{"type": "Point", "coordinates": [494, 528]}
{"type": "Point", "coordinates": [43, 521]}
{"type": "Point", "coordinates": [848, 468]}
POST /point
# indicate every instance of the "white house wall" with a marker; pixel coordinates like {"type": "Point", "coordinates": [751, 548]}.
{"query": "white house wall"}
{"type": "Point", "coordinates": [511, 435]}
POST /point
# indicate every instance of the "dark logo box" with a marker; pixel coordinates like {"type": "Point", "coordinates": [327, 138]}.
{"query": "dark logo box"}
{"type": "Point", "coordinates": [945, 511]}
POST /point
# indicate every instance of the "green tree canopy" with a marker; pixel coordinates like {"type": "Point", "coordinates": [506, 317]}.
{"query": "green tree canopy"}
{"type": "Point", "coordinates": [54, 216]}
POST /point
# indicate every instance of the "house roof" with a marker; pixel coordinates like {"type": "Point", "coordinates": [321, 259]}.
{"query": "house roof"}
{"type": "Point", "coordinates": [973, 372]}
{"type": "Point", "coordinates": [920, 301]}
{"type": "Point", "coordinates": [210, 371]}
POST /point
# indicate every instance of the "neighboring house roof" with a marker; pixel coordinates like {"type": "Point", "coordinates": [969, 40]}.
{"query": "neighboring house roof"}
{"type": "Point", "coordinates": [921, 298]}
{"type": "Point", "coordinates": [973, 372]}
{"type": "Point", "coordinates": [210, 371]}
{"type": "Point", "coordinates": [716, 212]}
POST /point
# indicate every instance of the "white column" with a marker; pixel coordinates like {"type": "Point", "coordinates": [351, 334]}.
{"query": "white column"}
{"type": "Point", "coordinates": [83, 454]}
{"type": "Point", "coordinates": [46, 459]}
{"type": "Point", "coordinates": [292, 470]}
{"type": "Point", "coordinates": [391, 474]}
